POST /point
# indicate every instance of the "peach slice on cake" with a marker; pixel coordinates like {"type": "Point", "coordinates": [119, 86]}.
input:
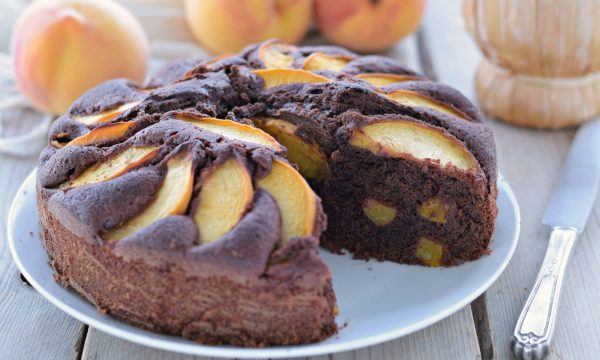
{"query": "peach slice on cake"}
{"type": "Point", "coordinates": [103, 133]}
{"type": "Point", "coordinates": [105, 116]}
{"type": "Point", "coordinates": [322, 61]}
{"type": "Point", "coordinates": [309, 157]}
{"type": "Point", "coordinates": [382, 79]}
{"type": "Point", "coordinates": [172, 197]}
{"type": "Point", "coordinates": [232, 130]}
{"type": "Point", "coordinates": [225, 196]}
{"type": "Point", "coordinates": [398, 138]}
{"type": "Point", "coordinates": [411, 98]}
{"type": "Point", "coordinates": [296, 201]}
{"type": "Point", "coordinates": [276, 55]}
{"type": "Point", "coordinates": [115, 166]}
{"type": "Point", "coordinates": [278, 77]}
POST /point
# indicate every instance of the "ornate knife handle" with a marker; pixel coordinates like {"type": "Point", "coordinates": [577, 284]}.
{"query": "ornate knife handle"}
{"type": "Point", "coordinates": [533, 333]}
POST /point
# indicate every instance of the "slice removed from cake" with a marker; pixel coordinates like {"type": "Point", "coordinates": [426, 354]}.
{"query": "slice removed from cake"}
{"type": "Point", "coordinates": [225, 196]}
{"type": "Point", "coordinates": [172, 197]}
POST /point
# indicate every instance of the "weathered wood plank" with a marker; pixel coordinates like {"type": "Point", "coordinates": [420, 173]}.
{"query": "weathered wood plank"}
{"type": "Point", "coordinates": [448, 339]}
{"type": "Point", "coordinates": [99, 345]}
{"type": "Point", "coordinates": [30, 327]}
{"type": "Point", "coordinates": [451, 338]}
{"type": "Point", "coordinates": [531, 161]}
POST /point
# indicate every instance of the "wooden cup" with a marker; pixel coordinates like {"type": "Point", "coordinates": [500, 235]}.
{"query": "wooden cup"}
{"type": "Point", "coordinates": [542, 59]}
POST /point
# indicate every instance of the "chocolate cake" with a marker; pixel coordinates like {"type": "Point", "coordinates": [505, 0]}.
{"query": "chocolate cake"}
{"type": "Point", "coordinates": [178, 206]}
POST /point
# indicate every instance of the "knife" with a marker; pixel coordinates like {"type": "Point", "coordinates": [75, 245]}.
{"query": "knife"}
{"type": "Point", "coordinates": [567, 212]}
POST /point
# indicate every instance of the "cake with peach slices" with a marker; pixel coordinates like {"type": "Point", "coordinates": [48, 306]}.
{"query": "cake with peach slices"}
{"type": "Point", "coordinates": [186, 206]}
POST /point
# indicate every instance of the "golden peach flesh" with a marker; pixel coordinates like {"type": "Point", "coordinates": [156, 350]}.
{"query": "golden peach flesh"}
{"type": "Point", "coordinates": [103, 133]}
{"type": "Point", "coordinates": [225, 196]}
{"type": "Point", "coordinates": [114, 167]}
{"type": "Point", "coordinates": [296, 201]}
{"type": "Point", "coordinates": [379, 213]}
{"type": "Point", "coordinates": [311, 160]}
{"type": "Point", "coordinates": [105, 116]}
{"type": "Point", "coordinates": [172, 198]}
{"type": "Point", "coordinates": [434, 209]}
{"type": "Point", "coordinates": [380, 79]}
{"type": "Point", "coordinates": [233, 130]}
{"type": "Point", "coordinates": [411, 98]}
{"type": "Point", "coordinates": [429, 252]}
{"type": "Point", "coordinates": [278, 77]}
{"type": "Point", "coordinates": [399, 138]}
{"type": "Point", "coordinates": [321, 61]}
{"type": "Point", "coordinates": [276, 55]}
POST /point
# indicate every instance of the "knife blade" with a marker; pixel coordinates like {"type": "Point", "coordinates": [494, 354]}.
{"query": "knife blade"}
{"type": "Point", "coordinates": [575, 191]}
{"type": "Point", "coordinates": [570, 204]}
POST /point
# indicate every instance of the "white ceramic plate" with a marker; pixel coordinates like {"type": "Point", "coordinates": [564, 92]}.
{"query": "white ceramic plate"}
{"type": "Point", "coordinates": [379, 301]}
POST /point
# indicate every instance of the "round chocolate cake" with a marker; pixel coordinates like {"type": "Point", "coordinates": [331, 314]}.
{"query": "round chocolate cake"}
{"type": "Point", "coordinates": [186, 206]}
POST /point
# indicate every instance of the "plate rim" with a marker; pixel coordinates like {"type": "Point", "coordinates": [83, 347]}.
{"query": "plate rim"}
{"type": "Point", "coordinates": [276, 352]}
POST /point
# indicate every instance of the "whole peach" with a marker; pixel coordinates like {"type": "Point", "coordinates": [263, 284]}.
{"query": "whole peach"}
{"type": "Point", "coordinates": [368, 25]}
{"type": "Point", "coordinates": [229, 25]}
{"type": "Point", "coordinates": [62, 48]}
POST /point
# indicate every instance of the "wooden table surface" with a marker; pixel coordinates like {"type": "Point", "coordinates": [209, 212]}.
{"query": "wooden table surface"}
{"type": "Point", "coordinates": [32, 328]}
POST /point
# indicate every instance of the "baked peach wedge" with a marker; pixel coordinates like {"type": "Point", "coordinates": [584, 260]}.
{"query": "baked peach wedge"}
{"type": "Point", "coordinates": [113, 167]}
{"type": "Point", "coordinates": [382, 79]}
{"type": "Point", "coordinates": [232, 130]}
{"type": "Point", "coordinates": [412, 98]}
{"type": "Point", "coordinates": [310, 158]}
{"type": "Point", "coordinates": [322, 61]}
{"type": "Point", "coordinates": [103, 133]}
{"type": "Point", "coordinates": [225, 196]}
{"type": "Point", "coordinates": [278, 77]}
{"type": "Point", "coordinates": [274, 55]}
{"type": "Point", "coordinates": [296, 201]}
{"type": "Point", "coordinates": [399, 138]}
{"type": "Point", "coordinates": [105, 116]}
{"type": "Point", "coordinates": [172, 198]}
